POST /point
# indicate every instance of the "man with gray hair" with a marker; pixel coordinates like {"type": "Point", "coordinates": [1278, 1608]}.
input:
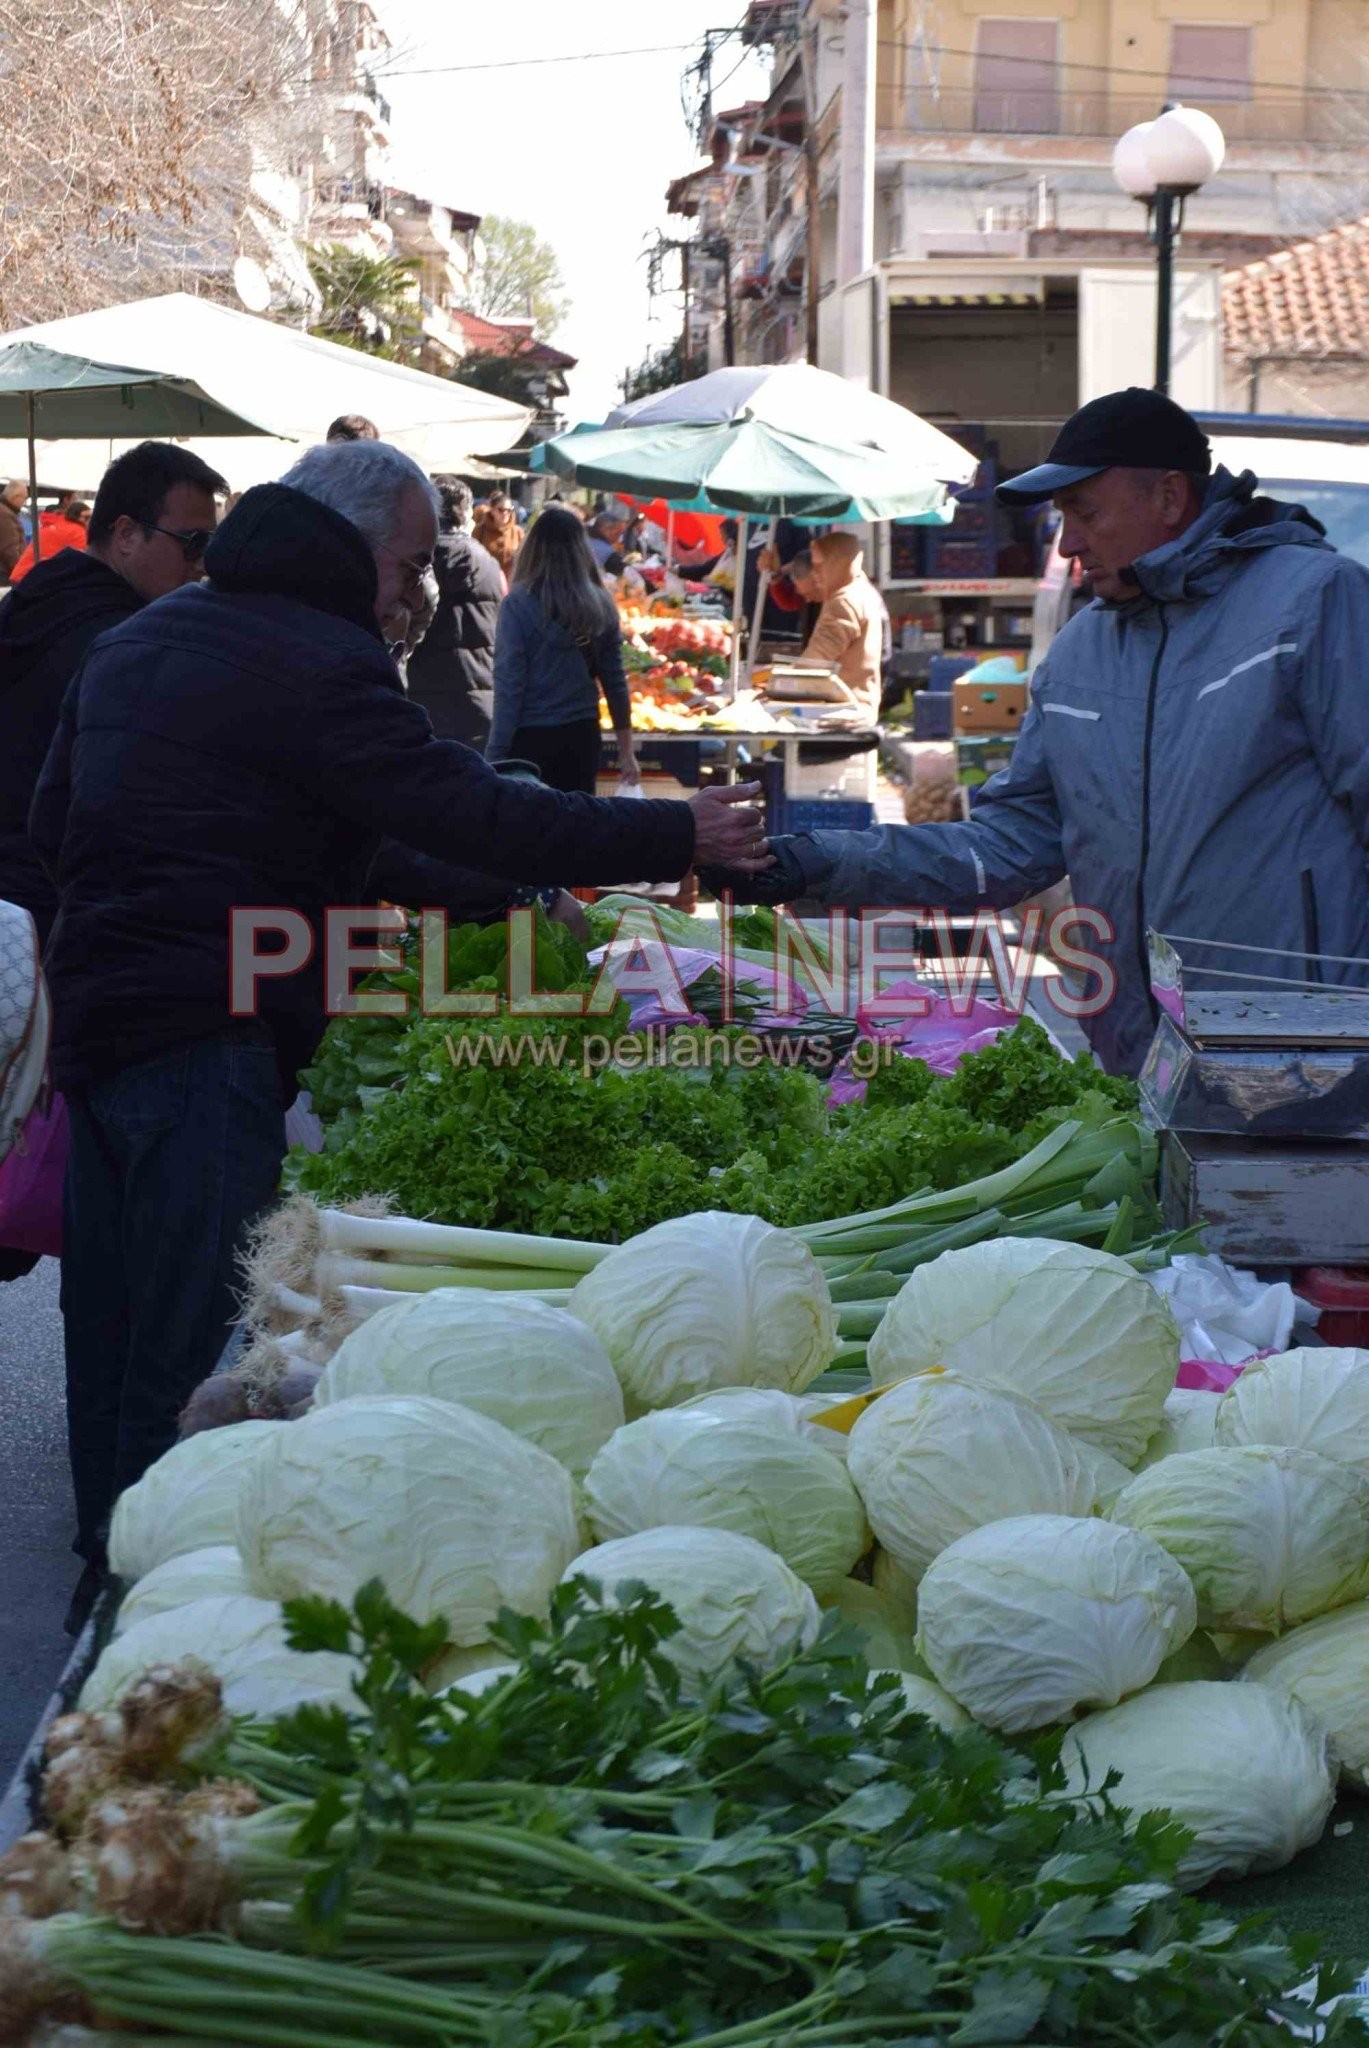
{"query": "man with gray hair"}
{"type": "Point", "coordinates": [451, 671]}
{"type": "Point", "coordinates": [228, 766]}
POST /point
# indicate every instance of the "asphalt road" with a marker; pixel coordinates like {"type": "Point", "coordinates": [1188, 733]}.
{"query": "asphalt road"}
{"type": "Point", "coordinates": [37, 1568]}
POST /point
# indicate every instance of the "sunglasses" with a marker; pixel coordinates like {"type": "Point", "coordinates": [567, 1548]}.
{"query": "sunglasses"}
{"type": "Point", "coordinates": [193, 543]}
{"type": "Point", "coordinates": [416, 570]}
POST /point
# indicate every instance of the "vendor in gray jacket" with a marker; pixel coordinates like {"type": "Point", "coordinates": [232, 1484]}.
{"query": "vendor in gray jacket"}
{"type": "Point", "coordinates": [1196, 755]}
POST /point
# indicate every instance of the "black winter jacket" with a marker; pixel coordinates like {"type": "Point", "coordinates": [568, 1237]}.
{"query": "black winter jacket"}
{"type": "Point", "coordinates": [451, 671]}
{"type": "Point", "coordinates": [47, 622]}
{"type": "Point", "coordinates": [247, 742]}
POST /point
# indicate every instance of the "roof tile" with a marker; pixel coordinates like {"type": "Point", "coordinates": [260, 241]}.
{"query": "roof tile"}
{"type": "Point", "coordinates": [1310, 300]}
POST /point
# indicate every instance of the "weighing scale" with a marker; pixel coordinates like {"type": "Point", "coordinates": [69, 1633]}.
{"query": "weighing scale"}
{"type": "Point", "coordinates": [1258, 1084]}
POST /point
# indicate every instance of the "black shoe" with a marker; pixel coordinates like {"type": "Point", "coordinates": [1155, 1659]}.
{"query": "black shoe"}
{"type": "Point", "coordinates": [89, 1587]}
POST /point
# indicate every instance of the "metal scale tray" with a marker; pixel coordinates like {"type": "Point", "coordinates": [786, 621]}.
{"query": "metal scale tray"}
{"type": "Point", "coordinates": [1261, 1094]}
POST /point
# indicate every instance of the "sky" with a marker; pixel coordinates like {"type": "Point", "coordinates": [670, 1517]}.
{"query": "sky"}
{"type": "Point", "coordinates": [582, 148]}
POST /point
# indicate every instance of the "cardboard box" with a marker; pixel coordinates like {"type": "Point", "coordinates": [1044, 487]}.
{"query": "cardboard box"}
{"type": "Point", "coordinates": [981, 756]}
{"type": "Point", "coordinates": [989, 707]}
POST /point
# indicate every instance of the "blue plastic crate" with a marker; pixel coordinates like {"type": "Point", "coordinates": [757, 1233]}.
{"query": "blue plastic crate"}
{"type": "Point", "coordinates": [820, 814]}
{"type": "Point", "coordinates": [943, 669]}
{"type": "Point", "coordinates": [932, 714]}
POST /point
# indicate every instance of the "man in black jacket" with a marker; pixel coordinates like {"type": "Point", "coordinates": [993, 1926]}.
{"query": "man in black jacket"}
{"type": "Point", "coordinates": [246, 743]}
{"type": "Point", "coordinates": [451, 671]}
{"type": "Point", "coordinates": [153, 516]}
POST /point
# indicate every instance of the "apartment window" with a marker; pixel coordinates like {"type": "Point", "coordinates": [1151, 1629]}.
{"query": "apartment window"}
{"type": "Point", "coordinates": [1209, 64]}
{"type": "Point", "coordinates": [1016, 77]}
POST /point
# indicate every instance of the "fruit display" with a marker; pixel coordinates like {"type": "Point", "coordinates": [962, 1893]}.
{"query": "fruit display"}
{"type": "Point", "coordinates": [675, 666]}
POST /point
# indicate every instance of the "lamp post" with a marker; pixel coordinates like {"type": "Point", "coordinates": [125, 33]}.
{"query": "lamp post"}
{"type": "Point", "coordinates": [1160, 163]}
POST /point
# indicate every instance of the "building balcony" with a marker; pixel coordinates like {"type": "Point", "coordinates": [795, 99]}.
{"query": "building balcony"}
{"type": "Point", "coordinates": [1084, 110]}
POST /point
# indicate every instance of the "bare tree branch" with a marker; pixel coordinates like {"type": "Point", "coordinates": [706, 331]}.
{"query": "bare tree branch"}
{"type": "Point", "coordinates": [132, 129]}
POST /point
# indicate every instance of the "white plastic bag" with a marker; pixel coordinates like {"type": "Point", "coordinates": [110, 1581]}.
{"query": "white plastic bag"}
{"type": "Point", "coordinates": [1225, 1315]}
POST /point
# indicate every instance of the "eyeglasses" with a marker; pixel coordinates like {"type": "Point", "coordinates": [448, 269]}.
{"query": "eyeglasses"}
{"type": "Point", "coordinates": [193, 543]}
{"type": "Point", "coordinates": [415, 570]}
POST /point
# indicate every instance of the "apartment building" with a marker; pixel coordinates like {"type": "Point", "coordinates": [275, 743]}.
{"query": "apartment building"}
{"type": "Point", "coordinates": [925, 200]}
{"type": "Point", "coordinates": [317, 159]}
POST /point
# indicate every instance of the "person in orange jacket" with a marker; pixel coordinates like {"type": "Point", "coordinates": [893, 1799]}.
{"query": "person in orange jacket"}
{"type": "Point", "coordinates": [64, 527]}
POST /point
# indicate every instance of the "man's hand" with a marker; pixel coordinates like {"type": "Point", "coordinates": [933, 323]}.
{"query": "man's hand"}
{"type": "Point", "coordinates": [779, 881]}
{"type": "Point", "coordinates": [729, 831]}
{"type": "Point", "coordinates": [570, 912]}
{"type": "Point", "coordinates": [768, 561]}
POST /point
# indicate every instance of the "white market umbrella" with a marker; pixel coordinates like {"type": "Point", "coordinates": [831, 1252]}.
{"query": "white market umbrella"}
{"type": "Point", "coordinates": [292, 383]}
{"type": "Point", "coordinates": [772, 440]}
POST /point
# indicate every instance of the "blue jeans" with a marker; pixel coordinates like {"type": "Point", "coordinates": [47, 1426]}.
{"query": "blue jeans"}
{"type": "Point", "coordinates": [169, 1161]}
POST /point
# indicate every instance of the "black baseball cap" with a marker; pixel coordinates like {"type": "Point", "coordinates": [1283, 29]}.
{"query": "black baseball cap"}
{"type": "Point", "coordinates": [1132, 429]}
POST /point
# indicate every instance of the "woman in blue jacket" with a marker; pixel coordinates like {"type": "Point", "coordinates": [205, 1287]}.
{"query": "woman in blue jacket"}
{"type": "Point", "coordinates": [556, 646]}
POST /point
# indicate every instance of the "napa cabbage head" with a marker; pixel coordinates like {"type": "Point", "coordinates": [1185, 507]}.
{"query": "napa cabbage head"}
{"type": "Point", "coordinates": [537, 1369]}
{"type": "Point", "coordinates": [731, 1596]}
{"type": "Point", "coordinates": [1074, 1330]}
{"type": "Point", "coordinates": [882, 1625]}
{"type": "Point", "coordinates": [927, 1700]}
{"type": "Point", "coordinates": [939, 1455]}
{"type": "Point", "coordinates": [453, 1513]}
{"type": "Point", "coordinates": [1269, 1536]}
{"type": "Point", "coordinates": [1323, 1665]}
{"type": "Point", "coordinates": [708, 1301]}
{"type": "Point", "coordinates": [188, 1500]}
{"type": "Point", "coordinates": [1028, 1621]}
{"type": "Point", "coordinates": [242, 1642]}
{"type": "Point", "coordinates": [697, 1466]}
{"type": "Point", "coordinates": [895, 1586]}
{"type": "Point", "coordinates": [1189, 1423]}
{"type": "Point", "coordinates": [194, 1575]}
{"type": "Point", "coordinates": [1247, 1773]}
{"type": "Point", "coordinates": [772, 1408]}
{"type": "Point", "coordinates": [1318, 1400]}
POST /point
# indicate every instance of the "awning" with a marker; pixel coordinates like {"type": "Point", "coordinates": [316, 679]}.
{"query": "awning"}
{"type": "Point", "coordinates": [978, 288]}
{"type": "Point", "coordinates": [965, 299]}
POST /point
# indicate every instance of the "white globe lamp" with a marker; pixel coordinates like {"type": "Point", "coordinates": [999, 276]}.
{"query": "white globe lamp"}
{"type": "Point", "coordinates": [1131, 165]}
{"type": "Point", "coordinates": [1185, 148]}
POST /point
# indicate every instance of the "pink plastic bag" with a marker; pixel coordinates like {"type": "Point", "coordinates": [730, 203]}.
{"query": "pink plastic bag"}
{"type": "Point", "coordinates": [31, 1178]}
{"type": "Point", "coordinates": [1207, 1376]}
{"type": "Point", "coordinates": [942, 1038]}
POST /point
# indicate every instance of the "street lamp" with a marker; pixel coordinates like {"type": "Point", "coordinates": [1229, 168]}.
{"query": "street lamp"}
{"type": "Point", "coordinates": [1160, 162]}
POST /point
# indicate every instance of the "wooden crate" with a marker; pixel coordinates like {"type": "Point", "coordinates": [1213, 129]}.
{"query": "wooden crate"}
{"type": "Point", "coordinates": [1269, 1204]}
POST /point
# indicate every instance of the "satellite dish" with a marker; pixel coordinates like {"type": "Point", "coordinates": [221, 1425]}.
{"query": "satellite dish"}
{"type": "Point", "coordinates": [252, 285]}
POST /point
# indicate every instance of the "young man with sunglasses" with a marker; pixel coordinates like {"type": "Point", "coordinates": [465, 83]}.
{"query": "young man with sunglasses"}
{"type": "Point", "coordinates": [153, 517]}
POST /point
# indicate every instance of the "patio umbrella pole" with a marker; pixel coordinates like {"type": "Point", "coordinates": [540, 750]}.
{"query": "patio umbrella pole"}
{"type": "Point", "coordinates": [33, 480]}
{"type": "Point", "coordinates": [739, 601]}
{"type": "Point", "coordinates": [669, 542]}
{"type": "Point", "coordinates": [762, 593]}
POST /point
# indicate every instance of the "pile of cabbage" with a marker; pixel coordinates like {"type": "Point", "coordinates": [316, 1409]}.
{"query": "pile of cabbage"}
{"type": "Point", "coordinates": [1021, 1514]}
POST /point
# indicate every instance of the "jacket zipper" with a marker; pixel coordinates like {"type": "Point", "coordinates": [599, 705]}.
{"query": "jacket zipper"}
{"type": "Point", "coordinates": [1142, 951]}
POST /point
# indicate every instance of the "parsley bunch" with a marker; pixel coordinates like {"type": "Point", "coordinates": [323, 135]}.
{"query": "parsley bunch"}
{"type": "Point", "coordinates": [587, 1854]}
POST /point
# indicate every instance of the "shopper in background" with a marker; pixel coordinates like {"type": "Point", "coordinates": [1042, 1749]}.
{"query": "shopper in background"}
{"type": "Point", "coordinates": [64, 525]}
{"type": "Point", "coordinates": [451, 671]}
{"type": "Point", "coordinates": [850, 633]}
{"type": "Point", "coordinates": [606, 530]}
{"type": "Point", "coordinates": [795, 586]}
{"type": "Point", "coordinates": [352, 426]}
{"type": "Point", "coordinates": [13, 533]}
{"type": "Point", "coordinates": [558, 644]}
{"type": "Point", "coordinates": [498, 532]}
{"type": "Point", "coordinates": [154, 514]}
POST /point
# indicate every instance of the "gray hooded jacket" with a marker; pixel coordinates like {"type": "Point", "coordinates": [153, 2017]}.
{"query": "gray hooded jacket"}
{"type": "Point", "coordinates": [1196, 760]}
